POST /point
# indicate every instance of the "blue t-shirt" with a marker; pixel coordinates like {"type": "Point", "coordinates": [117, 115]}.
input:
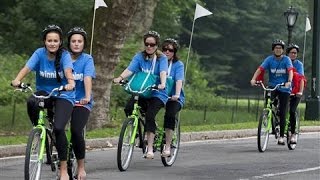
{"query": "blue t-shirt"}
{"type": "Point", "coordinates": [298, 66]}
{"type": "Point", "coordinates": [83, 67]}
{"type": "Point", "coordinates": [139, 63]}
{"type": "Point", "coordinates": [177, 73]}
{"type": "Point", "coordinates": [46, 72]}
{"type": "Point", "coordinates": [278, 71]}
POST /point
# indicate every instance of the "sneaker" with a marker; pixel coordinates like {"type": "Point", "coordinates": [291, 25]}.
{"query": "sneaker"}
{"type": "Point", "coordinates": [293, 139]}
{"type": "Point", "coordinates": [281, 141]}
{"type": "Point", "coordinates": [166, 153]}
{"type": "Point", "coordinates": [149, 155]}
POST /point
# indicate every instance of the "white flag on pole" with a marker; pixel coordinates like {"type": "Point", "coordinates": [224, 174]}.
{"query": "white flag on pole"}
{"type": "Point", "coordinates": [308, 25]}
{"type": "Point", "coordinates": [99, 3]}
{"type": "Point", "coordinates": [200, 11]}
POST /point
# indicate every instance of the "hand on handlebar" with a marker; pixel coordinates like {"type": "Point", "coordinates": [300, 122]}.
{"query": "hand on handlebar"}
{"type": "Point", "coordinates": [117, 80]}
{"type": "Point", "coordinates": [287, 84]}
{"type": "Point", "coordinates": [253, 82]}
{"type": "Point", "coordinates": [15, 83]}
{"type": "Point", "coordinates": [84, 101]}
{"type": "Point", "coordinates": [161, 86]}
{"type": "Point", "coordinates": [69, 87]}
{"type": "Point", "coordinates": [174, 98]}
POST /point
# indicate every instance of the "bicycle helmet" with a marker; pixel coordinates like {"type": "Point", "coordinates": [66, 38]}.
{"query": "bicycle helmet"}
{"type": "Point", "coordinates": [173, 42]}
{"type": "Point", "coordinates": [51, 28]}
{"type": "Point", "coordinates": [278, 42]}
{"type": "Point", "coordinates": [77, 30]}
{"type": "Point", "coordinates": [292, 46]}
{"type": "Point", "coordinates": [154, 34]}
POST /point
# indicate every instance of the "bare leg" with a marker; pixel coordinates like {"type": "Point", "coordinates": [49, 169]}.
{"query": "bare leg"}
{"type": "Point", "coordinates": [81, 170]}
{"type": "Point", "coordinates": [150, 139]}
{"type": "Point", "coordinates": [63, 171]}
{"type": "Point", "coordinates": [169, 133]}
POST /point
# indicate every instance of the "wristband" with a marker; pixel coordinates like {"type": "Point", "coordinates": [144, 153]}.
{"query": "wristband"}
{"type": "Point", "coordinates": [121, 77]}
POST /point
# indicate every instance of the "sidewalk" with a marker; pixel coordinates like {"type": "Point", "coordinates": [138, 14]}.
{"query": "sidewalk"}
{"type": "Point", "coordinates": [15, 150]}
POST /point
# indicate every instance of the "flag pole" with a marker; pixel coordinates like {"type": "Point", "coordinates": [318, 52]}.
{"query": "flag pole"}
{"type": "Point", "coordinates": [304, 41]}
{"type": "Point", "coordinates": [185, 74]}
{"type": "Point", "coordinates": [92, 29]}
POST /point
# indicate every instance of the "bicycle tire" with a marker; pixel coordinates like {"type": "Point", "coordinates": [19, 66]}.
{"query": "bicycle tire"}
{"type": "Point", "coordinates": [71, 164]}
{"type": "Point", "coordinates": [49, 147]}
{"type": "Point", "coordinates": [297, 132]}
{"type": "Point", "coordinates": [175, 145]}
{"type": "Point", "coordinates": [33, 164]}
{"type": "Point", "coordinates": [263, 132]}
{"type": "Point", "coordinates": [124, 155]}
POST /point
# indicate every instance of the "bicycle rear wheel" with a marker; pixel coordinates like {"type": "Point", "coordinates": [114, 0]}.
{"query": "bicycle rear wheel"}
{"type": "Point", "coordinates": [263, 130]}
{"type": "Point", "coordinates": [297, 132]}
{"type": "Point", "coordinates": [175, 145]}
{"type": "Point", "coordinates": [33, 161]}
{"type": "Point", "coordinates": [72, 164]}
{"type": "Point", "coordinates": [125, 148]}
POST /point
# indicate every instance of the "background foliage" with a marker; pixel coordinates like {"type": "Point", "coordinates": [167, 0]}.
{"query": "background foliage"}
{"type": "Point", "coordinates": [227, 46]}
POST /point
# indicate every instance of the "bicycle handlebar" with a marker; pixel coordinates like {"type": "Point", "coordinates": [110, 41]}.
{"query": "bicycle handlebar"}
{"type": "Point", "coordinates": [24, 87]}
{"type": "Point", "coordinates": [269, 89]}
{"type": "Point", "coordinates": [153, 87]}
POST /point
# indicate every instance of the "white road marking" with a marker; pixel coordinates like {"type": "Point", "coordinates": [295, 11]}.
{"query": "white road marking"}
{"type": "Point", "coordinates": [285, 173]}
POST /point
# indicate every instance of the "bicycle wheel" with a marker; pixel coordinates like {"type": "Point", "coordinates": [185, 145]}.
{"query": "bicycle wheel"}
{"type": "Point", "coordinates": [72, 164]}
{"type": "Point", "coordinates": [175, 145]}
{"type": "Point", "coordinates": [125, 148]}
{"type": "Point", "coordinates": [297, 132]}
{"type": "Point", "coordinates": [263, 131]}
{"type": "Point", "coordinates": [33, 161]}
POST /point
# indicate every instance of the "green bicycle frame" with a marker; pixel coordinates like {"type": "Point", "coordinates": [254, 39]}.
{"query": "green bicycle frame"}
{"type": "Point", "coordinates": [43, 134]}
{"type": "Point", "coordinates": [135, 122]}
{"type": "Point", "coordinates": [268, 108]}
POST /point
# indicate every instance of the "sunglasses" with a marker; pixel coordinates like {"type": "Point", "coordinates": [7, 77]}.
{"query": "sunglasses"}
{"type": "Point", "coordinates": [149, 44]}
{"type": "Point", "coordinates": [167, 49]}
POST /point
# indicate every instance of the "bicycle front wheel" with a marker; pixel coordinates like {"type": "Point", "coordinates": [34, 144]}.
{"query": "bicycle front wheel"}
{"type": "Point", "coordinates": [264, 130]}
{"type": "Point", "coordinates": [297, 132]}
{"type": "Point", "coordinates": [175, 145]}
{"type": "Point", "coordinates": [125, 147]}
{"type": "Point", "coordinates": [33, 160]}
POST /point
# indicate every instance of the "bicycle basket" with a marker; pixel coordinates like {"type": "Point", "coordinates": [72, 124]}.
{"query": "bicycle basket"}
{"type": "Point", "coordinates": [140, 83]}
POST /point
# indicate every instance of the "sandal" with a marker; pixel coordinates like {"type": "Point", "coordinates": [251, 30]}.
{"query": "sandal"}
{"type": "Point", "coordinates": [150, 155]}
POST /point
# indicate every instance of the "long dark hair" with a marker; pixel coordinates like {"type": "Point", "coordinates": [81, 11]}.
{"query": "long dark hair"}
{"type": "Point", "coordinates": [57, 62]}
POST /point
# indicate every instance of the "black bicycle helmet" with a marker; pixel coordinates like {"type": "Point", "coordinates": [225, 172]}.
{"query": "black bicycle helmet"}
{"type": "Point", "coordinates": [292, 46]}
{"type": "Point", "coordinates": [278, 42]}
{"type": "Point", "coordinates": [51, 28]}
{"type": "Point", "coordinates": [154, 34]}
{"type": "Point", "coordinates": [77, 30]}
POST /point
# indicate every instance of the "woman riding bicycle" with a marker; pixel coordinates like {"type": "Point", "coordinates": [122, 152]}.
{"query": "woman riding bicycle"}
{"type": "Point", "coordinates": [53, 67]}
{"type": "Point", "coordinates": [279, 68]}
{"type": "Point", "coordinates": [84, 71]}
{"type": "Point", "coordinates": [176, 101]}
{"type": "Point", "coordinates": [299, 82]}
{"type": "Point", "coordinates": [150, 58]}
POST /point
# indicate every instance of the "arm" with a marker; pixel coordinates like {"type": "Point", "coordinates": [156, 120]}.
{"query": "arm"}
{"type": "Point", "coordinates": [88, 90]}
{"type": "Point", "coordinates": [290, 76]}
{"type": "Point", "coordinates": [125, 74]}
{"type": "Point", "coordinates": [178, 90]}
{"type": "Point", "coordinates": [163, 79]}
{"type": "Point", "coordinates": [23, 72]}
{"type": "Point", "coordinates": [254, 77]}
{"type": "Point", "coordinates": [71, 84]}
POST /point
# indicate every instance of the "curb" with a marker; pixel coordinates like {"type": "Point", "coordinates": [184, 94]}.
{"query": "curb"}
{"type": "Point", "coordinates": [15, 150]}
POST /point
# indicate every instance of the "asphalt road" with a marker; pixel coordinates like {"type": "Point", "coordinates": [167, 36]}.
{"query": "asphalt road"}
{"type": "Point", "coordinates": [234, 159]}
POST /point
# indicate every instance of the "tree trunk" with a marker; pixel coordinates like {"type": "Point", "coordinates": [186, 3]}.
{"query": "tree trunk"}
{"type": "Point", "coordinates": [143, 18]}
{"type": "Point", "coordinates": [111, 29]}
